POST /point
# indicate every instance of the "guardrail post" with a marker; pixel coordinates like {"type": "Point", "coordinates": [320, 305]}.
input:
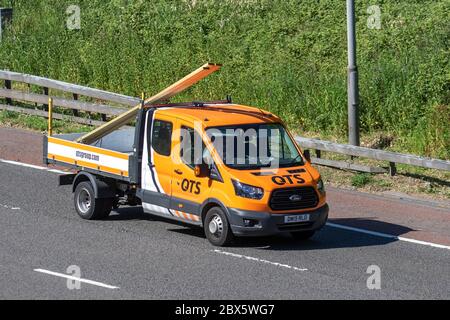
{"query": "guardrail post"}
{"type": "Point", "coordinates": [8, 85]}
{"type": "Point", "coordinates": [75, 111]}
{"type": "Point", "coordinates": [318, 154]}
{"type": "Point", "coordinates": [392, 169]}
{"type": "Point", "coordinates": [307, 155]}
{"type": "Point", "coordinates": [46, 93]}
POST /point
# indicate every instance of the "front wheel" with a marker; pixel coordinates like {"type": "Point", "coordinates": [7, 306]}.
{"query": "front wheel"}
{"type": "Point", "coordinates": [87, 206]}
{"type": "Point", "coordinates": [303, 235]}
{"type": "Point", "coordinates": [217, 229]}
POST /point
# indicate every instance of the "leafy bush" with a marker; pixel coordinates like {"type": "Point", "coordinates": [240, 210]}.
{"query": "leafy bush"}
{"type": "Point", "coordinates": [286, 56]}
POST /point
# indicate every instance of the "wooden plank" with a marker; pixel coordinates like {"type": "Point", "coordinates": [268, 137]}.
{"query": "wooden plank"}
{"type": "Point", "coordinates": [71, 104]}
{"type": "Point", "coordinates": [167, 93]}
{"type": "Point", "coordinates": [68, 87]}
{"type": "Point", "coordinates": [41, 113]}
{"type": "Point", "coordinates": [374, 154]}
{"type": "Point", "coordinates": [185, 83]}
{"type": "Point", "coordinates": [347, 166]}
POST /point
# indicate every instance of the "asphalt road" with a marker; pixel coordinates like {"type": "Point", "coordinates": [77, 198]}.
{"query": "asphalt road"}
{"type": "Point", "coordinates": [149, 258]}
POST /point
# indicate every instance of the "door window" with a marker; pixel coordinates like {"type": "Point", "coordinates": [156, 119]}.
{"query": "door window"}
{"type": "Point", "coordinates": [192, 147]}
{"type": "Point", "coordinates": [162, 137]}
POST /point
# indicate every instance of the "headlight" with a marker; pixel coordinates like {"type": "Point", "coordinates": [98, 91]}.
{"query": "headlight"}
{"type": "Point", "coordinates": [247, 191]}
{"type": "Point", "coordinates": [321, 186]}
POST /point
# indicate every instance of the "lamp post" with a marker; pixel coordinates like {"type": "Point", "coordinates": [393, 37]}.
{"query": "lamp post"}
{"type": "Point", "coordinates": [353, 87]}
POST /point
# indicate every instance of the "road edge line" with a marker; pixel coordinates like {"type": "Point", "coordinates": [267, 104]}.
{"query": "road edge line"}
{"type": "Point", "coordinates": [32, 166]}
{"type": "Point", "coordinates": [388, 236]}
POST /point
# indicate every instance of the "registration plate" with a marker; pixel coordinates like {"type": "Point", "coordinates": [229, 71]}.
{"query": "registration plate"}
{"type": "Point", "coordinates": [297, 218]}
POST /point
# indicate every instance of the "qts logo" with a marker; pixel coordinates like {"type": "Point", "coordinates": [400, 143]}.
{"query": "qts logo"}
{"type": "Point", "coordinates": [288, 179]}
{"type": "Point", "coordinates": [191, 186]}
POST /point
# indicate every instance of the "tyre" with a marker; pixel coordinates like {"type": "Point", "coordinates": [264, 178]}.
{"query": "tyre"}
{"type": "Point", "coordinates": [303, 235]}
{"type": "Point", "coordinates": [217, 229]}
{"type": "Point", "coordinates": [87, 206]}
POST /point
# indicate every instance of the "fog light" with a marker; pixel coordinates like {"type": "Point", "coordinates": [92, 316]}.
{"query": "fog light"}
{"type": "Point", "coordinates": [250, 223]}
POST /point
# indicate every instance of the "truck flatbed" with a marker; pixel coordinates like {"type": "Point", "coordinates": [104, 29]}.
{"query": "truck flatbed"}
{"type": "Point", "coordinates": [109, 156]}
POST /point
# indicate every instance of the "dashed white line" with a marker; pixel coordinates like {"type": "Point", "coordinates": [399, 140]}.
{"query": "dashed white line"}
{"type": "Point", "coordinates": [61, 275]}
{"type": "Point", "coordinates": [276, 264]}
{"type": "Point", "coordinates": [15, 163]}
{"type": "Point", "coordinates": [388, 236]}
{"type": "Point", "coordinates": [9, 207]}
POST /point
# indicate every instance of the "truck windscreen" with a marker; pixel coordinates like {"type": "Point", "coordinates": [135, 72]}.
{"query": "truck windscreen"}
{"type": "Point", "coordinates": [255, 146]}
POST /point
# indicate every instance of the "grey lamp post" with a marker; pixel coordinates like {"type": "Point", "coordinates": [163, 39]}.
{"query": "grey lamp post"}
{"type": "Point", "coordinates": [353, 87]}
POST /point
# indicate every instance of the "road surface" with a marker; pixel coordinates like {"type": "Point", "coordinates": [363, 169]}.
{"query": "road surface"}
{"type": "Point", "coordinates": [133, 255]}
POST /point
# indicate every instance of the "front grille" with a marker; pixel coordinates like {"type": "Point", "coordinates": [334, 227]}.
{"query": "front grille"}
{"type": "Point", "coordinates": [281, 199]}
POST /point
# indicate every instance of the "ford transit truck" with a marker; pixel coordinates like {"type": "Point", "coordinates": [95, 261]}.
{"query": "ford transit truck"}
{"type": "Point", "coordinates": [233, 170]}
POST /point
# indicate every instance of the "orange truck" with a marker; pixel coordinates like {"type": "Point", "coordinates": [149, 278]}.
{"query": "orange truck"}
{"type": "Point", "coordinates": [233, 170]}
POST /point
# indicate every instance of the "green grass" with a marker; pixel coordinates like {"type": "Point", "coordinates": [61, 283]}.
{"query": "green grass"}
{"type": "Point", "coordinates": [361, 179]}
{"type": "Point", "coordinates": [286, 56]}
{"type": "Point", "coordinates": [15, 119]}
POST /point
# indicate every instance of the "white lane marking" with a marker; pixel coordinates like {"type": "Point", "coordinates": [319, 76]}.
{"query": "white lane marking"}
{"type": "Point", "coordinates": [61, 275]}
{"type": "Point", "coordinates": [9, 207]}
{"type": "Point", "coordinates": [32, 166]}
{"type": "Point", "coordinates": [388, 236]}
{"type": "Point", "coordinates": [276, 264]}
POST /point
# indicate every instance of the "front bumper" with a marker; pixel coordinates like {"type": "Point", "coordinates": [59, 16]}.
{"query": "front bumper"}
{"type": "Point", "coordinates": [271, 224]}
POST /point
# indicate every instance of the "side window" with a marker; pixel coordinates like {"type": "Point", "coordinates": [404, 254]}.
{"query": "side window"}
{"type": "Point", "coordinates": [162, 137]}
{"type": "Point", "coordinates": [189, 140]}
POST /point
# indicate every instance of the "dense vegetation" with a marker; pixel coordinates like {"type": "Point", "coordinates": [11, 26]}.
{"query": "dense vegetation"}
{"type": "Point", "coordinates": [288, 56]}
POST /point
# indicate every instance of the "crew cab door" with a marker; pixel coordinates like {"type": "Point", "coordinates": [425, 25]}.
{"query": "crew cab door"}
{"type": "Point", "coordinates": [157, 164]}
{"type": "Point", "coordinates": [188, 191]}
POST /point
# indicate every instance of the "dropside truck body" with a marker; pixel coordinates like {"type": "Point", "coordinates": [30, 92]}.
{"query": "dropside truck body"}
{"type": "Point", "coordinates": [145, 166]}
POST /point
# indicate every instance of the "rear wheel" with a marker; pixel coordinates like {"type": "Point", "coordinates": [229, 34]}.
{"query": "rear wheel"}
{"type": "Point", "coordinates": [217, 229]}
{"type": "Point", "coordinates": [87, 206]}
{"type": "Point", "coordinates": [303, 235]}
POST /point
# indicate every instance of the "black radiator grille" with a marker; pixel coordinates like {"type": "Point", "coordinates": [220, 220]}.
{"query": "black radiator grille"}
{"type": "Point", "coordinates": [294, 199]}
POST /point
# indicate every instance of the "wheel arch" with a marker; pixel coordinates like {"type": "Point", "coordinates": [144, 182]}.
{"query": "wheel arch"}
{"type": "Point", "coordinates": [211, 203]}
{"type": "Point", "coordinates": [101, 188]}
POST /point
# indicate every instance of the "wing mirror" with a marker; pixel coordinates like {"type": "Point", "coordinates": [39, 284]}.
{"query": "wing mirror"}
{"type": "Point", "coordinates": [202, 171]}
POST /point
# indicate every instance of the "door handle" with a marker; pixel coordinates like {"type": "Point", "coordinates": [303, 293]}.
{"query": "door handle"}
{"type": "Point", "coordinates": [179, 172]}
